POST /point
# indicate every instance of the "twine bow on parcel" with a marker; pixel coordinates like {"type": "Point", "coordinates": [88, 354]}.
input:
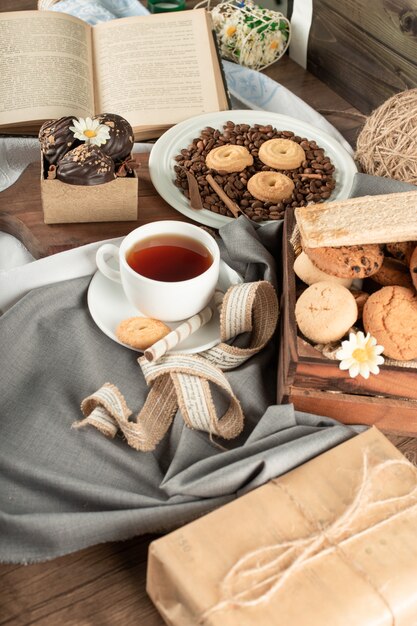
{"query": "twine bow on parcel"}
{"type": "Point", "coordinates": [260, 574]}
{"type": "Point", "coordinates": [183, 380]}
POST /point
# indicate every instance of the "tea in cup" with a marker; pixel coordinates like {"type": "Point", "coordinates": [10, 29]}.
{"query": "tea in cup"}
{"type": "Point", "coordinates": [168, 269]}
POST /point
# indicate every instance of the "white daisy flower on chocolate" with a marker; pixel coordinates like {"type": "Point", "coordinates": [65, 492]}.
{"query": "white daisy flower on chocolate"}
{"type": "Point", "coordinates": [360, 355]}
{"type": "Point", "coordinates": [90, 131]}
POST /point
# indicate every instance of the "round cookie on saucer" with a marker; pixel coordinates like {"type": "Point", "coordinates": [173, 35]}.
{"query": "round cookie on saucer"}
{"type": "Point", "coordinates": [141, 332]}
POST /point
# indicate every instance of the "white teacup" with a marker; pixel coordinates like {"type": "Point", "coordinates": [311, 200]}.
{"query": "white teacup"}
{"type": "Point", "coordinates": [166, 300]}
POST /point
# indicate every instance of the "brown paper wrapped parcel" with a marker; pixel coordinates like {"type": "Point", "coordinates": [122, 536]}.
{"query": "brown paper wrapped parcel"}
{"type": "Point", "coordinates": [333, 542]}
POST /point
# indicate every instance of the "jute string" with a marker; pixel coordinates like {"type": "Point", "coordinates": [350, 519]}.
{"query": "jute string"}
{"type": "Point", "coordinates": [182, 381]}
{"type": "Point", "coordinates": [262, 573]}
{"type": "Point", "coordinates": [387, 144]}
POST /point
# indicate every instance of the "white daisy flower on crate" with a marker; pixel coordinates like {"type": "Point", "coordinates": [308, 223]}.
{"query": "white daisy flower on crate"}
{"type": "Point", "coordinates": [90, 131]}
{"type": "Point", "coordinates": [360, 355]}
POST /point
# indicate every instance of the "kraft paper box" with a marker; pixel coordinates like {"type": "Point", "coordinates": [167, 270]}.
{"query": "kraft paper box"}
{"type": "Point", "coordinates": [332, 543]}
{"type": "Point", "coordinates": [116, 201]}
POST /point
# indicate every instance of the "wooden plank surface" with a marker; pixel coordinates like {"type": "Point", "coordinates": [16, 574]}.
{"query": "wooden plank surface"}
{"type": "Point", "coordinates": [21, 215]}
{"type": "Point", "coordinates": [393, 23]}
{"type": "Point", "coordinates": [398, 417]}
{"type": "Point", "coordinates": [105, 585]}
{"type": "Point", "coordinates": [390, 382]}
{"type": "Point", "coordinates": [365, 51]}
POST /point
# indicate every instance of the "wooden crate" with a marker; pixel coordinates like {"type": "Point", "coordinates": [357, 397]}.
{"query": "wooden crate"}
{"type": "Point", "coordinates": [315, 384]}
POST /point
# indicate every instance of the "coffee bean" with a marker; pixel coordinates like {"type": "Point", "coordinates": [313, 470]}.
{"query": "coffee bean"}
{"type": "Point", "coordinates": [229, 191]}
{"type": "Point", "coordinates": [234, 184]}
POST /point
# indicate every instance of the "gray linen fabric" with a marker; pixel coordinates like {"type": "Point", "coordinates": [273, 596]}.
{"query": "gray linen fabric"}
{"type": "Point", "coordinates": [63, 489]}
{"type": "Point", "coordinates": [366, 185]}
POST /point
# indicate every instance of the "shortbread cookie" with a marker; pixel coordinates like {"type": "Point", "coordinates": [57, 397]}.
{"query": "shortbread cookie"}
{"type": "Point", "coordinates": [401, 250]}
{"type": "Point", "coordinates": [141, 332]}
{"type": "Point", "coordinates": [347, 261]}
{"type": "Point", "coordinates": [229, 158]}
{"type": "Point", "coordinates": [413, 267]}
{"type": "Point", "coordinates": [310, 274]}
{"type": "Point", "coordinates": [390, 315]}
{"type": "Point", "coordinates": [282, 154]}
{"type": "Point", "coordinates": [270, 186]}
{"type": "Point", "coordinates": [393, 272]}
{"type": "Point", "coordinates": [325, 312]}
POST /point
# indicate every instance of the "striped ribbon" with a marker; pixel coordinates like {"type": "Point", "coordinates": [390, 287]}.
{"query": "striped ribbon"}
{"type": "Point", "coordinates": [182, 381]}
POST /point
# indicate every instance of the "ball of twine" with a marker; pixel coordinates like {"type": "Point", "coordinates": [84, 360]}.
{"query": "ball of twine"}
{"type": "Point", "coordinates": [387, 144]}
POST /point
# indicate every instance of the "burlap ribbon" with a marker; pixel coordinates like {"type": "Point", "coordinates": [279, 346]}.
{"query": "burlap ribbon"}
{"type": "Point", "coordinates": [183, 381]}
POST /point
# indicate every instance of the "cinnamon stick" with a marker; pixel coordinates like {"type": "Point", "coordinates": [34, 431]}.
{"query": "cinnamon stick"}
{"type": "Point", "coordinates": [232, 206]}
{"type": "Point", "coordinates": [318, 176]}
{"type": "Point", "coordinates": [195, 197]}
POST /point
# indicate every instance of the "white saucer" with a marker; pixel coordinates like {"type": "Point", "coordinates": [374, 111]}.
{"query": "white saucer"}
{"type": "Point", "coordinates": [108, 306]}
{"type": "Point", "coordinates": [162, 163]}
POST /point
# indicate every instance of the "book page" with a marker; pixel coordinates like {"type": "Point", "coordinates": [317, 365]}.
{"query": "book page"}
{"type": "Point", "coordinates": [45, 67]}
{"type": "Point", "coordinates": [157, 69]}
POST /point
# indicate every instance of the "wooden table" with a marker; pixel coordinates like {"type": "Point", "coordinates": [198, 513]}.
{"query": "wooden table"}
{"type": "Point", "coordinates": [105, 584]}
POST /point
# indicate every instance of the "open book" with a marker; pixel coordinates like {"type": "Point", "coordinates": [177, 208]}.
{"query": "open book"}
{"type": "Point", "coordinates": [153, 70]}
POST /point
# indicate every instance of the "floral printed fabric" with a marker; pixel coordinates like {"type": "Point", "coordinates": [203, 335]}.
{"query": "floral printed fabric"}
{"type": "Point", "coordinates": [250, 35]}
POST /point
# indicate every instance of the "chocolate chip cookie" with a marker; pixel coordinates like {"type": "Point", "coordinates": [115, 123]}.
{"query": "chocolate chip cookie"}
{"type": "Point", "coordinates": [348, 261]}
{"type": "Point", "coordinates": [401, 250]}
{"type": "Point", "coordinates": [393, 272]}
